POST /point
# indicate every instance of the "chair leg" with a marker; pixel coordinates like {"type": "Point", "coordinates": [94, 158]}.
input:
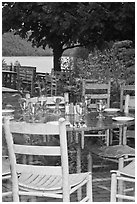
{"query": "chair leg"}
{"type": "Point", "coordinates": [107, 137]}
{"type": "Point", "coordinates": [70, 136]}
{"type": "Point", "coordinates": [82, 139]}
{"type": "Point", "coordinates": [110, 137]}
{"type": "Point", "coordinates": [120, 183]}
{"type": "Point", "coordinates": [79, 191]}
{"type": "Point", "coordinates": [113, 187]}
{"type": "Point", "coordinates": [89, 188]}
{"type": "Point", "coordinates": [124, 136]}
{"type": "Point", "coordinates": [120, 163]}
{"type": "Point", "coordinates": [89, 158]}
{"type": "Point", "coordinates": [120, 136]}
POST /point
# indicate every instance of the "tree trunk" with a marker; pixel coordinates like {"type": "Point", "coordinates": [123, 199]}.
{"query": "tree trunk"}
{"type": "Point", "coordinates": [57, 54]}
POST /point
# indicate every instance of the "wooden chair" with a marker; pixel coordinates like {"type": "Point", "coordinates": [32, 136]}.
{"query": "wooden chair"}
{"type": "Point", "coordinates": [127, 104]}
{"type": "Point", "coordinates": [129, 133]}
{"type": "Point", "coordinates": [94, 91]}
{"type": "Point", "coordinates": [116, 153]}
{"type": "Point", "coordinates": [26, 78]}
{"type": "Point", "coordinates": [51, 85]}
{"type": "Point", "coordinates": [119, 154]}
{"type": "Point", "coordinates": [44, 181]}
{"type": "Point", "coordinates": [126, 178]}
{"type": "Point", "coordinates": [126, 90]}
{"type": "Point", "coordinates": [128, 107]}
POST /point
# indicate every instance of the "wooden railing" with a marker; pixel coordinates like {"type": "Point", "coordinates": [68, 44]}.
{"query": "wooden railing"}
{"type": "Point", "coordinates": [26, 77]}
{"type": "Point", "coordinates": [9, 79]}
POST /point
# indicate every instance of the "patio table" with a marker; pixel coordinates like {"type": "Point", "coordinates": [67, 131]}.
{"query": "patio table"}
{"type": "Point", "coordinates": [94, 124]}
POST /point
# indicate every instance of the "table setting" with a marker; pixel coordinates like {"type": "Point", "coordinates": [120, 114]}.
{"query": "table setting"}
{"type": "Point", "coordinates": [39, 110]}
{"type": "Point", "coordinates": [77, 115]}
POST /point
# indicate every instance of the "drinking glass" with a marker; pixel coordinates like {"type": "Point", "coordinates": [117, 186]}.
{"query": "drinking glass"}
{"type": "Point", "coordinates": [57, 111]}
{"type": "Point", "coordinates": [100, 105]}
{"type": "Point", "coordinates": [81, 113]}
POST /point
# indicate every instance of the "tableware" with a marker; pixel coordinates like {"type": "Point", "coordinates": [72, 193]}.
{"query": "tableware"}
{"type": "Point", "coordinates": [123, 118]}
{"type": "Point", "coordinates": [57, 110]}
{"type": "Point", "coordinates": [100, 105]}
{"type": "Point", "coordinates": [111, 110]}
{"type": "Point", "coordinates": [79, 109]}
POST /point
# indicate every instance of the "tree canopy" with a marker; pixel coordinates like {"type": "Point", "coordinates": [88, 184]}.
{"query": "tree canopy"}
{"type": "Point", "coordinates": [64, 25]}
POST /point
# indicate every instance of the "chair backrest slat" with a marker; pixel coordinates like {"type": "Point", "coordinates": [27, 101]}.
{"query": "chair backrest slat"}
{"type": "Point", "coordinates": [96, 86]}
{"type": "Point", "coordinates": [37, 150]}
{"type": "Point", "coordinates": [129, 87]}
{"type": "Point", "coordinates": [50, 170]}
{"type": "Point", "coordinates": [97, 96]}
{"type": "Point", "coordinates": [94, 90]}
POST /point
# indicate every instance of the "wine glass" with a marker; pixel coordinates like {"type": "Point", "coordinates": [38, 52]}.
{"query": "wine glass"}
{"type": "Point", "coordinates": [81, 113]}
{"type": "Point", "coordinates": [100, 105]}
{"type": "Point", "coordinates": [57, 111]}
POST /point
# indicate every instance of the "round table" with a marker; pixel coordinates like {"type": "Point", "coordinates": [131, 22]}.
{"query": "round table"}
{"type": "Point", "coordinates": [93, 123]}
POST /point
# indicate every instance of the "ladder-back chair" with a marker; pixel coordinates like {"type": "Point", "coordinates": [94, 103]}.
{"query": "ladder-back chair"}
{"type": "Point", "coordinates": [126, 90]}
{"type": "Point", "coordinates": [127, 104]}
{"type": "Point", "coordinates": [44, 181]}
{"type": "Point", "coordinates": [128, 107]}
{"type": "Point", "coordinates": [123, 184]}
{"type": "Point", "coordinates": [51, 85]}
{"type": "Point", "coordinates": [94, 91]}
{"type": "Point", "coordinates": [116, 153]}
{"type": "Point", "coordinates": [26, 78]}
{"type": "Point", "coordinates": [129, 133]}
